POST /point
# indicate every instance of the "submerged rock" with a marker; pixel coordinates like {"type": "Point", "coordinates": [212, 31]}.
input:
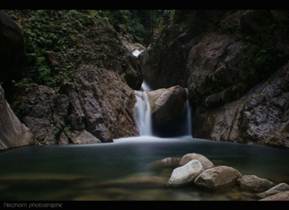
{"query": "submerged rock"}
{"type": "Point", "coordinates": [274, 190]}
{"type": "Point", "coordinates": [194, 156]}
{"type": "Point", "coordinates": [135, 181]}
{"type": "Point", "coordinates": [169, 162]}
{"type": "Point", "coordinates": [281, 196]}
{"type": "Point", "coordinates": [186, 173]}
{"type": "Point", "coordinates": [254, 183]}
{"type": "Point", "coordinates": [217, 177]}
{"type": "Point", "coordinates": [13, 133]}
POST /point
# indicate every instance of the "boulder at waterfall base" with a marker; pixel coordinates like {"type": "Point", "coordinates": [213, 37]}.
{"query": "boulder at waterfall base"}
{"type": "Point", "coordinates": [168, 109]}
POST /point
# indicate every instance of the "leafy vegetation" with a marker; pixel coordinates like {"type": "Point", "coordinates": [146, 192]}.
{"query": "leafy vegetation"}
{"type": "Point", "coordinates": [57, 41]}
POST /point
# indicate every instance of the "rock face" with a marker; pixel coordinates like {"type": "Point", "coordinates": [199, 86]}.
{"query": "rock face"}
{"type": "Point", "coordinates": [282, 196]}
{"type": "Point", "coordinates": [13, 133]}
{"type": "Point", "coordinates": [77, 90]}
{"type": "Point", "coordinates": [167, 108]}
{"type": "Point", "coordinates": [254, 183]}
{"type": "Point", "coordinates": [206, 163]}
{"type": "Point", "coordinates": [11, 49]}
{"type": "Point", "coordinates": [274, 190]}
{"type": "Point", "coordinates": [217, 177]}
{"type": "Point", "coordinates": [92, 105]}
{"type": "Point", "coordinates": [186, 173]}
{"type": "Point", "coordinates": [235, 68]}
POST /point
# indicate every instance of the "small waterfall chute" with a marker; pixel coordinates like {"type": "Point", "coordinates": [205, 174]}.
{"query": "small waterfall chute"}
{"type": "Point", "coordinates": [143, 114]}
{"type": "Point", "coordinates": [145, 87]}
{"type": "Point", "coordinates": [137, 52]}
{"type": "Point", "coordinates": [188, 115]}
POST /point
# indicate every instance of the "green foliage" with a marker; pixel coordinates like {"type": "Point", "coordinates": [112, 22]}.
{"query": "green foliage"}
{"type": "Point", "coordinates": [56, 41]}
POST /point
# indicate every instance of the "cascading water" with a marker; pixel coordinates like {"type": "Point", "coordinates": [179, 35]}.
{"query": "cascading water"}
{"type": "Point", "coordinates": [143, 116]}
{"type": "Point", "coordinates": [145, 87]}
{"type": "Point", "coordinates": [188, 116]}
{"type": "Point", "coordinates": [143, 113]}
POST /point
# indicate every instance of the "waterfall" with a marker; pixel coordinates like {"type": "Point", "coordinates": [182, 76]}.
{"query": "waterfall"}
{"type": "Point", "coordinates": [145, 87]}
{"type": "Point", "coordinates": [137, 52]}
{"type": "Point", "coordinates": [143, 114]}
{"type": "Point", "coordinates": [188, 118]}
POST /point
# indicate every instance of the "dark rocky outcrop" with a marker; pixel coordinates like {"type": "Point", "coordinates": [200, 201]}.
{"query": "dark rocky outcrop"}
{"type": "Point", "coordinates": [13, 133]}
{"type": "Point", "coordinates": [77, 76]}
{"type": "Point", "coordinates": [11, 52]}
{"type": "Point", "coordinates": [98, 103]}
{"type": "Point", "coordinates": [234, 64]}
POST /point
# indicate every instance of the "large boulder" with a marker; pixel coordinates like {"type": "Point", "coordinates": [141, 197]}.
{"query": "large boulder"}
{"type": "Point", "coordinates": [168, 109]}
{"type": "Point", "coordinates": [11, 49]}
{"type": "Point", "coordinates": [254, 183]}
{"type": "Point", "coordinates": [274, 190]}
{"type": "Point", "coordinates": [194, 156]}
{"type": "Point", "coordinates": [92, 105]}
{"type": "Point", "coordinates": [186, 173]}
{"type": "Point", "coordinates": [218, 177]}
{"type": "Point", "coordinates": [13, 133]}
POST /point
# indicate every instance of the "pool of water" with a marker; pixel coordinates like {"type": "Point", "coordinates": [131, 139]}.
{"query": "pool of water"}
{"type": "Point", "coordinates": [115, 171]}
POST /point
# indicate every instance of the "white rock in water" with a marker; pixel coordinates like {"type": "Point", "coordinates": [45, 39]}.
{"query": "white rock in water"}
{"type": "Point", "coordinates": [186, 173]}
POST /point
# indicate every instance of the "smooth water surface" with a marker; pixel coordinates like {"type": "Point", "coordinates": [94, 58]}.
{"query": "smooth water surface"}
{"type": "Point", "coordinates": [77, 172]}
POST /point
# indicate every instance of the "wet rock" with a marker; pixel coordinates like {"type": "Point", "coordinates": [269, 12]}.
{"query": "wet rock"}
{"type": "Point", "coordinates": [274, 190]}
{"type": "Point", "coordinates": [167, 107]}
{"type": "Point", "coordinates": [281, 196]}
{"type": "Point", "coordinates": [217, 177]}
{"type": "Point", "coordinates": [169, 162]}
{"type": "Point", "coordinates": [186, 173]}
{"type": "Point", "coordinates": [13, 133]}
{"type": "Point", "coordinates": [254, 183]}
{"type": "Point", "coordinates": [194, 156]}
